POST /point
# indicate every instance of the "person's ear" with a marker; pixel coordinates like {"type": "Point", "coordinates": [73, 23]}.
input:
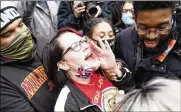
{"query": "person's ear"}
{"type": "Point", "coordinates": [63, 65]}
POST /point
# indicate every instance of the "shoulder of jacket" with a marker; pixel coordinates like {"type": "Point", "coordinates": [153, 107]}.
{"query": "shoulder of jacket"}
{"type": "Point", "coordinates": [127, 32]}
{"type": "Point", "coordinates": [127, 35]}
{"type": "Point", "coordinates": [60, 103]}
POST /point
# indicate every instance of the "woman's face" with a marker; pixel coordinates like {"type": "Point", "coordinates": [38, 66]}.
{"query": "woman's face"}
{"type": "Point", "coordinates": [103, 30]}
{"type": "Point", "coordinates": [79, 53]}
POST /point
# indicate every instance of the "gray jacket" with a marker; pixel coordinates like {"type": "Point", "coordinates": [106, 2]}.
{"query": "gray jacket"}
{"type": "Point", "coordinates": [42, 21]}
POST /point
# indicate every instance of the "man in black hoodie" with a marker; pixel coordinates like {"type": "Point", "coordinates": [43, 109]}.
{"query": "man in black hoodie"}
{"type": "Point", "coordinates": [152, 45]}
{"type": "Point", "coordinates": [24, 84]}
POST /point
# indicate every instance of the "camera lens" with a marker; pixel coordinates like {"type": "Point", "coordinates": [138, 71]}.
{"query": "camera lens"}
{"type": "Point", "coordinates": [91, 9]}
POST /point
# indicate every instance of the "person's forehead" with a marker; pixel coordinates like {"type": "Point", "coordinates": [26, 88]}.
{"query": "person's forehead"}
{"type": "Point", "coordinates": [8, 15]}
{"type": "Point", "coordinates": [128, 5]}
{"type": "Point", "coordinates": [162, 11]}
{"type": "Point", "coordinates": [68, 38]}
{"type": "Point", "coordinates": [103, 26]}
{"type": "Point", "coordinates": [12, 25]}
{"type": "Point", "coordinates": [154, 16]}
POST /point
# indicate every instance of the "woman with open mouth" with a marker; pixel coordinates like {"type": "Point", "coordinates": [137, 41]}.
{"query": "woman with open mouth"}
{"type": "Point", "coordinates": [71, 61]}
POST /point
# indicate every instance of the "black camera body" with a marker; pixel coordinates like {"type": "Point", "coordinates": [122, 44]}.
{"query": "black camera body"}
{"type": "Point", "coordinates": [90, 8]}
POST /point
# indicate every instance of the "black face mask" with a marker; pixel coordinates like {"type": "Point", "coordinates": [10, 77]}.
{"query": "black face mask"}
{"type": "Point", "coordinates": [110, 41]}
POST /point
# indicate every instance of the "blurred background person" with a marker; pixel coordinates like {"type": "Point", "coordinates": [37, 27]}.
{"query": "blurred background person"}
{"type": "Point", "coordinates": [128, 14]}
{"type": "Point", "coordinates": [75, 13]}
{"type": "Point", "coordinates": [41, 18]}
{"type": "Point", "coordinates": [115, 8]}
{"type": "Point", "coordinates": [122, 14]}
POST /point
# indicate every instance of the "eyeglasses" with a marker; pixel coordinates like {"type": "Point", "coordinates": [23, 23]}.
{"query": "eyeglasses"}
{"type": "Point", "coordinates": [158, 31]}
{"type": "Point", "coordinates": [76, 46]}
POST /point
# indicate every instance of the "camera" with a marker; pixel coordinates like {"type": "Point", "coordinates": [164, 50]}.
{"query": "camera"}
{"type": "Point", "coordinates": [90, 8]}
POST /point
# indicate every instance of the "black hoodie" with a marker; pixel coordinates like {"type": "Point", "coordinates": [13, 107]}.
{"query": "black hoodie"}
{"type": "Point", "coordinates": [26, 87]}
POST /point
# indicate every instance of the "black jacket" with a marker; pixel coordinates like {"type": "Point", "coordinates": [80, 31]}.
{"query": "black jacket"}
{"type": "Point", "coordinates": [72, 99]}
{"type": "Point", "coordinates": [115, 8]}
{"type": "Point", "coordinates": [66, 16]}
{"type": "Point", "coordinates": [129, 48]}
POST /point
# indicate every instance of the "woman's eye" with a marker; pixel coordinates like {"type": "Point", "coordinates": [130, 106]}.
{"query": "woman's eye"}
{"type": "Point", "coordinates": [101, 37]}
{"type": "Point", "coordinates": [84, 41]}
{"type": "Point", "coordinates": [75, 45]}
{"type": "Point", "coordinates": [111, 36]}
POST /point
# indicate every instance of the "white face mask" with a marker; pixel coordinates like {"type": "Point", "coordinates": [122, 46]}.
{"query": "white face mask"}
{"type": "Point", "coordinates": [127, 18]}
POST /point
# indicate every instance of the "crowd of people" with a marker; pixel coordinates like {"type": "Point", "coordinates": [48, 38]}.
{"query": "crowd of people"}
{"type": "Point", "coordinates": [90, 56]}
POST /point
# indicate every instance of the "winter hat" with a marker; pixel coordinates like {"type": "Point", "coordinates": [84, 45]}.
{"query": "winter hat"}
{"type": "Point", "coordinates": [8, 14]}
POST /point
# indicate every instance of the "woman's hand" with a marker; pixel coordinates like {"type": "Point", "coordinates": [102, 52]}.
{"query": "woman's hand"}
{"type": "Point", "coordinates": [107, 59]}
{"type": "Point", "coordinates": [105, 54]}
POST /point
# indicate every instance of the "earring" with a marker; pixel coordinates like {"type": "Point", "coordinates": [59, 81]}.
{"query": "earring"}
{"type": "Point", "coordinates": [58, 68]}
